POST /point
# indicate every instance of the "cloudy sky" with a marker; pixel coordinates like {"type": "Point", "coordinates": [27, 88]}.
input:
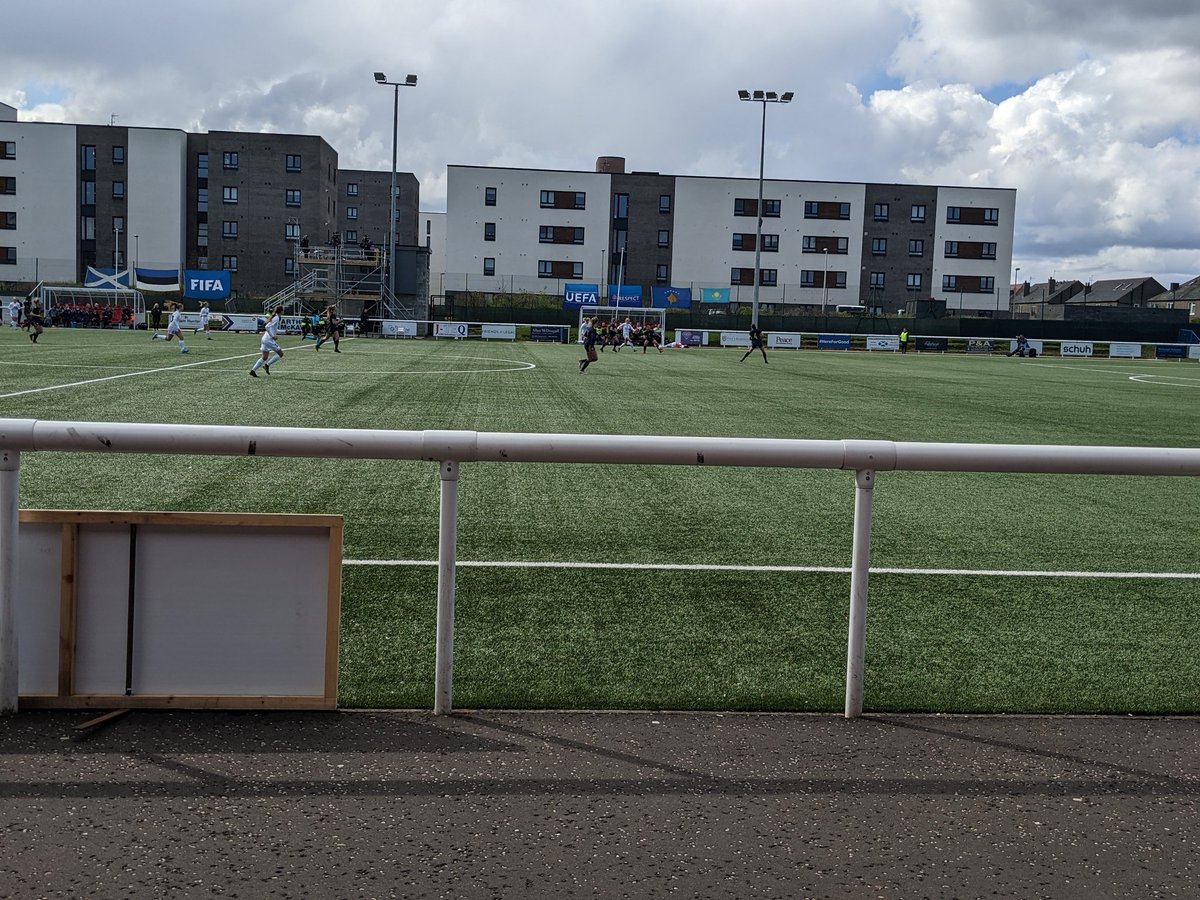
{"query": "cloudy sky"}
{"type": "Point", "coordinates": [1089, 108]}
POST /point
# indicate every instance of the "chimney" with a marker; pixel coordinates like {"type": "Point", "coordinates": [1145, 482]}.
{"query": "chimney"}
{"type": "Point", "coordinates": [610, 165]}
{"type": "Point", "coordinates": [1049, 286]}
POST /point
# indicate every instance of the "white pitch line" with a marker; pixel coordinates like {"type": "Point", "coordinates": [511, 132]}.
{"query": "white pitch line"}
{"type": "Point", "coordinates": [59, 387]}
{"type": "Point", "coordinates": [710, 567]}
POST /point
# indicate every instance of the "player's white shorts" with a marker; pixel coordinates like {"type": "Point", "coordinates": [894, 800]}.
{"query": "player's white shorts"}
{"type": "Point", "coordinates": [172, 329]}
{"type": "Point", "coordinates": [269, 345]}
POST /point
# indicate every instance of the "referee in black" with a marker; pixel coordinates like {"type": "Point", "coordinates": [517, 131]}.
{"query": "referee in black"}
{"type": "Point", "coordinates": [756, 342]}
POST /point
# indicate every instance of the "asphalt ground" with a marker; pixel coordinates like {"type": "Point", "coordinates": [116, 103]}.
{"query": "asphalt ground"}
{"type": "Point", "coordinates": [579, 804]}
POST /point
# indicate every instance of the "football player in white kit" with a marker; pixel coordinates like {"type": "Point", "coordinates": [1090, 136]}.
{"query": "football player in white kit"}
{"type": "Point", "coordinates": [174, 326]}
{"type": "Point", "coordinates": [270, 343]}
{"type": "Point", "coordinates": [204, 314]}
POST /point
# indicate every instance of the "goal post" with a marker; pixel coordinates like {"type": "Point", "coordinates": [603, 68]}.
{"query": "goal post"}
{"type": "Point", "coordinates": [637, 315]}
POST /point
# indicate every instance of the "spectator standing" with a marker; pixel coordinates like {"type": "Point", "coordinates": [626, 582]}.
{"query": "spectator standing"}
{"type": "Point", "coordinates": [904, 339]}
{"type": "Point", "coordinates": [156, 317]}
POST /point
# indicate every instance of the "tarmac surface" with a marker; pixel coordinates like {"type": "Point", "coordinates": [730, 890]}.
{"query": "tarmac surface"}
{"type": "Point", "coordinates": [579, 804]}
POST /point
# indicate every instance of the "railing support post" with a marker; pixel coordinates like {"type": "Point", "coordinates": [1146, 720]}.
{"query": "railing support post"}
{"type": "Point", "coordinates": [10, 469]}
{"type": "Point", "coordinates": [443, 700]}
{"type": "Point", "coordinates": [860, 568]}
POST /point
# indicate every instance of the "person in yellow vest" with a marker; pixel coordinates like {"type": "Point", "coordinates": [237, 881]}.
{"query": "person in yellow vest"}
{"type": "Point", "coordinates": [904, 340]}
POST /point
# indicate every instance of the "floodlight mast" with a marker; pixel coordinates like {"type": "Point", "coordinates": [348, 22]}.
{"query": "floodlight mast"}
{"type": "Point", "coordinates": [763, 97]}
{"type": "Point", "coordinates": [409, 81]}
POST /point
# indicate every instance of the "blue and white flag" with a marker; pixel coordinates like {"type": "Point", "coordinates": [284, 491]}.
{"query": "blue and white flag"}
{"type": "Point", "coordinates": [157, 279]}
{"type": "Point", "coordinates": [577, 295]}
{"type": "Point", "coordinates": [106, 279]}
{"type": "Point", "coordinates": [670, 297]}
{"type": "Point", "coordinates": [206, 284]}
{"type": "Point", "coordinates": [714, 295]}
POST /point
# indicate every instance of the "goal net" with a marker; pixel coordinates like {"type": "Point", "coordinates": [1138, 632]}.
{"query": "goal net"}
{"type": "Point", "coordinates": [638, 316]}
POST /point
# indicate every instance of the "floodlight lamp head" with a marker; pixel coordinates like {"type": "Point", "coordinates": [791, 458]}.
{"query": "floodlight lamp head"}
{"type": "Point", "coordinates": [771, 95]}
{"type": "Point", "coordinates": [410, 80]}
{"type": "Point", "coordinates": [758, 95]}
{"type": "Point", "coordinates": [786, 97]}
{"type": "Point", "coordinates": [743, 95]}
{"type": "Point", "coordinates": [380, 77]}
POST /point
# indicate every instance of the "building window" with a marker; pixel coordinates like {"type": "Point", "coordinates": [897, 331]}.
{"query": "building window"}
{"type": "Point", "coordinates": [118, 155]}
{"type": "Point", "coordinates": [291, 162]}
{"type": "Point", "coordinates": [289, 265]}
{"type": "Point", "coordinates": [201, 165]}
{"type": "Point", "coordinates": [951, 249]}
{"type": "Point", "coordinates": [814, 209]}
{"type": "Point", "coordinates": [953, 214]}
{"type": "Point", "coordinates": [8, 256]}
{"type": "Point", "coordinates": [89, 191]}
{"type": "Point", "coordinates": [878, 246]}
{"type": "Point", "coordinates": [771, 208]}
{"type": "Point", "coordinates": [987, 284]}
{"type": "Point", "coordinates": [560, 234]}
{"type": "Point", "coordinates": [664, 203]}
{"type": "Point", "coordinates": [550, 268]}
{"type": "Point", "coordinates": [839, 280]}
{"type": "Point", "coordinates": [620, 206]}
{"type": "Point", "coordinates": [291, 197]}
{"type": "Point", "coordinates": [987, 251]}
{"type": "Point", "coordinates": [881, 212]}
{"type": "Point", "coordinates": [916, 248]}
{"type": "Point", "coordinates": [350, 237]}
{"type": "Point", "coordinates": [991, 217]}
{"type": "Point", "coordinates": [351, 212]}
{"type": "Point", "coordinates": [489, 199]}
{"type": "Point", "coordinates": [661, 273]}
{"type": "Point", "coordinates": [229, 194]}
{"type": "Point", "coordinates": [291, 231]}
{"type": "Point", "coordinates": [118, 190]}
{"type": "Point", "coordinates": [8, 185]}
{"type": "Point", "coordinates": [8, 149]}
{"type": "Point", "coordinates": [877, 281]}
{"type": "Point", "coordinates": [202, 234]}
{"type": "Point", "coordinates": [8, 221]}
{"type": "Point", "coordinates": [768, 277]}
{"type": "Point", "coordinates": [563, 200]}
{"type": "Point", "coordinates": [745, 206]}
{"type": "Point", "coordinates": [949, 282]}
{"type": "Point", "coordinates": [741, 276]}
{"type": "Point", "coordinates": [229, 230]}
{"type": "Point", "coordinates": [352, 189]}
{"type": "Point", "coordinates": [770, 243]}
{"type": "Point", "coordinates": [743, 241]}
{"type": "Point", "coordinates": [229, 160]}
{"type": "Point", "coordinates": [87, 158]}
{"type": "Point", "coordinates": [808, 278]}
{"type": "Point", "coordinates": [489, 231]}
{"type": "Point", "coordinates": [201, 199]}
{"type": "Point", "coordinates": [664, 237]}
{"type": "Point", "coordinates": [489, 265]}
{"type": "Point", "coordinates": [229, 262]}
{"type": "Point", "coordinates": [917, 214]}
{"type": "Point", "coordinates": [87, 228]}
{"type": "Point", "coordinates": [913, 282]}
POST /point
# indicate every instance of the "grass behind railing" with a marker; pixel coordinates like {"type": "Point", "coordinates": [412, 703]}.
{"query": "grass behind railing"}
{"type": "Point", "coordinates": [634, 638]}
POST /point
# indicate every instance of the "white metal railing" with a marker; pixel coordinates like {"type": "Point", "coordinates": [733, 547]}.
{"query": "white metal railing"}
{"type": "Point", "coordinates": [449, 449]}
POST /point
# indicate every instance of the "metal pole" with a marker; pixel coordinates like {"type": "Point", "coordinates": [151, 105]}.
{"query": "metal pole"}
{"type": "Point", "coordinates": [10, 465]}
{"type": "Point", "coordinates": [762, 149]}
{"type": "Point", "coordinates": [443, 700]}
{"type": "Point", "coordinates": [391, 277]}
{"type": "Point", "coordinates": [860, 567]}
{"type": "Point", "coordinates": [825, 285]}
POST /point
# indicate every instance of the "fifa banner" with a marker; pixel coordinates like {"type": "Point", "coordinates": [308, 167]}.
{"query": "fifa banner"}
{"type": "Point", "coordinates": [981, 345]}
{"type": "Point", "coordinates": [398, 328]}
{"type": "Point", "coordinates": [883, 342]}
{"type": "Point", "coordinates": [833, 342]}
{"type": "Point", "coordinates": [625, 295]}
{"type": "Point", "coordinates": [1075, 348]}
{"type": "Point", "coordinates": [735, 339]}
{"type": "Point", "coordinates": [203, 284]}
{"type": "Point", "coordinates": [1170, 351]}
{"type": "Point", "coordinates": [1033, 345]}
{"type": "Point", "coordinates": [577, 295]}
{"type": "Point", "coordinates": [784, 341]}
{"type": "Point", "coordinates": [498, 332]}
{"type": "Point", "coordinates": [670, 297]}
{"type": "Point", "coordinates": [940, 345]}
{"type": "Point", "coordinates": [1124, 350]}
{"type": "Point", "coordinates": [106, 279]}
{"type": "Point", "coordinates": [157, 279]}
{"type": "Point", "coordinates": [691, 338]}
{"type": "Point", "coordinates": [553, 333]}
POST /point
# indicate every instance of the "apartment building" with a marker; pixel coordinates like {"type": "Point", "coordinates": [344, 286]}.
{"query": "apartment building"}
{"type": "Point", "coordinates": [823, 244]}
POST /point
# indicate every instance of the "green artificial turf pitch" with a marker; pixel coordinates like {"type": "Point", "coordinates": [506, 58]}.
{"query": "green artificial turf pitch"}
{"type": "Point", "coordinates": [610, 637]}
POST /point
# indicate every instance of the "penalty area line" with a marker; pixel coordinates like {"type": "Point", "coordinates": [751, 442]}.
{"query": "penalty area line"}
{"type": "Point", "coordinates": [712, 567]}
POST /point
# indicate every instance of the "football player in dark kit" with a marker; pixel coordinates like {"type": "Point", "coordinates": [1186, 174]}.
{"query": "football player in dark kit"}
{"type": "Point", "coordinates": [757, 342]}
{"type": "Point", "coordinates": [333, 329]}
{"type": "Point", "coordinates": [588, 333]}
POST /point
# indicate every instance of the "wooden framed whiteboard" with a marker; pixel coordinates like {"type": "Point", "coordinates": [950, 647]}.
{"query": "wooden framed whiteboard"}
{"type": "Point", "coordinates": [178, 610]}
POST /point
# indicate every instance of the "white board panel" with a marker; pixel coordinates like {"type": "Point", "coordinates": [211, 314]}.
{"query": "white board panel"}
{"type": "Point", "coordinates": [39, 555]}
{"type": "Point", "coordinates": [101, 601]}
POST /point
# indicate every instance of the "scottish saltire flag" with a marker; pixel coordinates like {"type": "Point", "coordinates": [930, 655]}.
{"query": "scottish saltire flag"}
{"type": "Point", "coordinates": [106, 279]}
{"type": "Point", "coordinates": [671, 297]}
{"type": "Point", "coordinates": [577, 295]}
{"type": "Point", "coordinates": [157, 279]}
{"type": "Point", "coordinates": [630, 295]}
{"type": "Point", "coordinates": [714, 295]}
{"type": "Point", "coordinates": [206, 284]}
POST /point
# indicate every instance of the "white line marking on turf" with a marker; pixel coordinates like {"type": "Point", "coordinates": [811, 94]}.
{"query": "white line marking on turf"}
{"type": "Point", "coordinates": [710, 567]}
{"type": "Point", "coordinates": [1188, 382]}
{"type": "Point", "coordinates": [189, 365]}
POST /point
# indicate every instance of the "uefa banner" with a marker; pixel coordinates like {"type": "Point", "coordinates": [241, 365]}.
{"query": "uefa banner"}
{"type": "Point", "coordinates": [833, 342]}
{"type": "Point", "coordinates": [577, 295]}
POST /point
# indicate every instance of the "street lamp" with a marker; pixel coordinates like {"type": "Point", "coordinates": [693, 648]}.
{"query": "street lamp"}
{"type": "Point", "coordinates": [409, 81]}
{"type": "Point", "coordinates": [763, 97]}
{"type": "Point", "coordinates": [825, 284]}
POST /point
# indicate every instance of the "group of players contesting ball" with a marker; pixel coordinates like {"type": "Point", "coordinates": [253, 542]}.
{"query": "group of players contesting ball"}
{"type": "Point", "coordinates": [605, 334]}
